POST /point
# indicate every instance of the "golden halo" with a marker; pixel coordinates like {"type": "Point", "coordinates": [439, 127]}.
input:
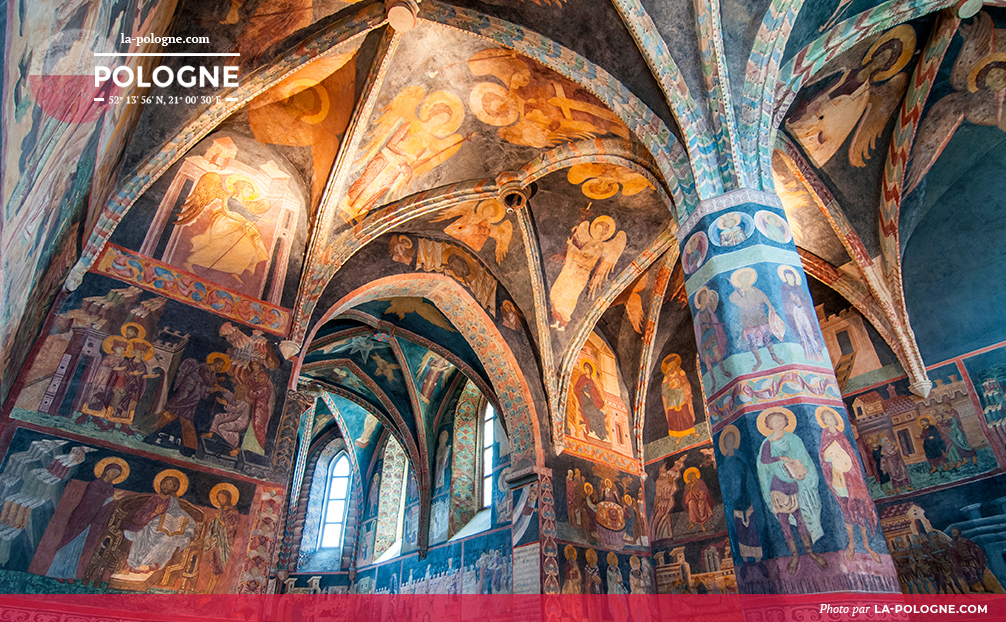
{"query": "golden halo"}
{"type": "Point", "coordinates": [608, 220]}
{"type": "Point", "coordinates": [634, 562]}
{"type": "Point", "coordinates": [493, 104]}
{"type": "Point", "coordinates": [588, 488]}
{"type": "Point", "coordinates": [451, 125]}
{"type": "Point", "coordinates": [721, 221]}
{"type": "Point", "coordinates": [183, 481]}
{"type": "Point", "coordinates": [593, 368]}
{"type": "Point", "coordinates": [491, 209]}
{"type": "Point", "coordinates": [692, 471]}
{"type": "Point", "coordinates": [784, 270]}
{"type": "Point", "coordinates": [668, 361]}
{"type": "Point", "coordinates": [925, 418]}
{"type": "Point", "coordinates": [235, 178]}
{"type": "Point", "coordinates": [612, 558]}
{"type": "Point", "coordinates": [982, 68]}
{"type": "Point", "coordinates": [99, 469]}
{"type": "Point", "coordinates": [839, 421]}
{"type": "Point", "coordinates": [591, 556]}
{"type": "Point", "coordinates": [404, 240]}
{"type": "Point", "coordinates": [140, 331]}
{"type": "Point", "coordinates": [906, 34]}
{"type": "Point", "coordinates": [702, 297]}
{"type": "Point", "coordinates": [570, 552]}
{"type": "Point", "coordinates": [740, 275]}
{"type": "Point", "coordinates": [113, 340]}
{"type": "Point", "coordinates": [214, 356]}
{"type": "Point", "coordinates": [323, 102]}
{"type": "Point", "coordinates": [220, 487]}
{"type": "Point", "coordinates": [790, 420]}
{"type": "Point", "coordinates": [730, 429]}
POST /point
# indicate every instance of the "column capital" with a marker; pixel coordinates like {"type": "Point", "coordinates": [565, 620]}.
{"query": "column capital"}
{"type": "Point", "coordinates": [724, 201]}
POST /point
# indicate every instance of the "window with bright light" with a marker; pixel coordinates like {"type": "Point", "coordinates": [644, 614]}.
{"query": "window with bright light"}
{"type": "Point", "coordinates": [488, 428]}
{"type": "Point", "coordinates": [334, 514]}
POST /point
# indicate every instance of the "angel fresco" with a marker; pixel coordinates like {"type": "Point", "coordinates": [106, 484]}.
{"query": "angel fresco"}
{"type": "Point", "coordinates": [590, 245]}
{"type": "Point", "coordinates": [404, 146]}
{"type": "Point", "coordinates": [603, 181]}
{"type": "Point", "coordinates": [978, 79]}
{"type": "Point", "coordinates": [231, 243]}
{"type": "Point", "coordinates": [856, 100]}
{"type": "Point", "coordinates": [475, 223]}
{"type": "Point", "coordinates": [534, 108]}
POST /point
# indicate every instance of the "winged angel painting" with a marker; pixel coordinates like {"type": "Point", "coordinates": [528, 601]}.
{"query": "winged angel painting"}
{"type": "Point", "coordinates": [231, 243]}
{"type": "Point", "coordinates": [592, 248]}
{"type": "Point", "coordinates": [476, 222]}
{"type": "Point", "coordinates": [415, 134]}
{"type": "Point", "coordinates": [978, 79]}
{"type": "Point", "coordinates": [855, 100]}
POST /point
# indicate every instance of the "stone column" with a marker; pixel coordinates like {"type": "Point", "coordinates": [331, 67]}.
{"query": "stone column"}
{"type": "Point", "coordinates": [797, 505]}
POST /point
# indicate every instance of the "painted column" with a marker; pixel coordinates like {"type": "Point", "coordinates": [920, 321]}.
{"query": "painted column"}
{"type": "Point", "coordinates": [798, 509]}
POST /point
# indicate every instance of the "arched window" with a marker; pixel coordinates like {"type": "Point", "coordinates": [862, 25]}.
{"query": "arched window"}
{"type": "Point", "coordinates": [336, 500]}
{"type": "Point", "coordinates": [488, 437]}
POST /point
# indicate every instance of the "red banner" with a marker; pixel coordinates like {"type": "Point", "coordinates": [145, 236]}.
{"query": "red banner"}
{"type": "Point", "coordinates": [441, 608]}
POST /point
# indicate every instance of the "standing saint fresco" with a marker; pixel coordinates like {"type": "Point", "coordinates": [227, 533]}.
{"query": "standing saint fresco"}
{"type": "Point", "coordinates": [710, 333]}
{"type": "Point", "coordinates": [735, 484]}
{"type": "Point", "coordinates": [845, 480]}
{"type": "Point", "coordinates": [933, 444]}
{"type": "Point", "coordinates": [789, 480]}
{"type": "Point", "coordinates": [590, 245]}
{"type": "Point", "coordinates": [585, 415]}
{"type": "Point", "coordinates": [800, 313]}
{"type": "Point", "coordinates": [760, 325]}
{"type": "Point", "coordinates": [698, 501]}
{"type": "Point", "coordinates": [88, 519]}
{"type": "Point", "coordinates": [663, 502]}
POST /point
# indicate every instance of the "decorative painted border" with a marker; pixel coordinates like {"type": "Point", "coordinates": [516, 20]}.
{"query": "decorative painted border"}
{"type": "Point", "coordinates": [794, 384]}
{"type": "Point", "coordinates": [160, 278]}
{"type": "Point", "coordinates": [726, 201]}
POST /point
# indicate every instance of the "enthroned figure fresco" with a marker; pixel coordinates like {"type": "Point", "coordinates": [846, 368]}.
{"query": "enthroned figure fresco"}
{"type": "Point", "coordinates": [596, 412]}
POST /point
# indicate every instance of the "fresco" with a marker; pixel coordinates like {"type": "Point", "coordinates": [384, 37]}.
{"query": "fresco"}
{"type": "Point", "coordinates": [140, 371]}
{"type": "Point", "coordinates": [600, 506]}
{"type": "Point", "coordinates": [842, 119]}
{"type": "Point", "coordinates": [676, 413]}
{"type": "Point", "coordinates": [75, 512]}
{"type": "Point", "coordinates": [683, 491]}
{"type": "Point", "coordinates": [942, 543]}
{"type": "Point", "coordinates": [59, 151]}
{"type": "Point", "coordinates": [585, 570]}
{"type": "Point", "coordinates": [909, 443]}
{"type": "Point", "coordinates": [233, 211]}
{"type": "Point", "coordinates": [696, 567]}
{"type": "Point", "coordinates": [598, 422]}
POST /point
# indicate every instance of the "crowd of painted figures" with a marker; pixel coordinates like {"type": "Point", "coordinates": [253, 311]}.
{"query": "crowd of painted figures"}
{"type": "Point", "coordinates": [934, 563]}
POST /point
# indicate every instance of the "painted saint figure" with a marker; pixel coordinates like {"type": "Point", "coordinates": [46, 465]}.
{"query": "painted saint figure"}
{"type": "Point", "coordinates": [789, 481]}
{"type": "Point", "coordinates": [845, 480]}
{"type": "Point", "coordinates": [951, 425]}
{"type": "Point", "coordinates": [735, 484]}
{"type": "Point", "coordinates": [800, 313]}
{"type": "Point", "coordinates": [222, 531]}
{"type": "Point", "coordinates": [894, 465]}
{"type": "Point", "coordinates": [443, 455]}
{"type": "Point", "coordinates": [697, 499]}
{"type": "Point", "coordinates": [710, 333]}
{"type": "Point", "coordinates": [160, 527]}
{"type": "Point", "coordinates": [586, 416]}
{"type": "Point", "coordinates": [193, 383]}
{"type": "Point", "coordinates": [760, 324]}
{"type": "Point", "coordinates": [676, 391]}
{"type": "Point", "coordinates": [933, 444]}
{"type": "Point", "coordinates": [476, 223]}
{"type": "Point", "coordinates": [88, 519]}
{"type": "Point", "coordinates": [590, 245]}
{"type": "Point", "coordinates": [592, 574]}
{"type": "Point", "coordinates": [230, 424]}
{"type": "Point", "coordinates": [663, 503]}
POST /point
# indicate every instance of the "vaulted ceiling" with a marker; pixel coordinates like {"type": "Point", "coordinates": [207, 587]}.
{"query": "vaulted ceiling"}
{"type": "Point", "coordinates": [474, 142]}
